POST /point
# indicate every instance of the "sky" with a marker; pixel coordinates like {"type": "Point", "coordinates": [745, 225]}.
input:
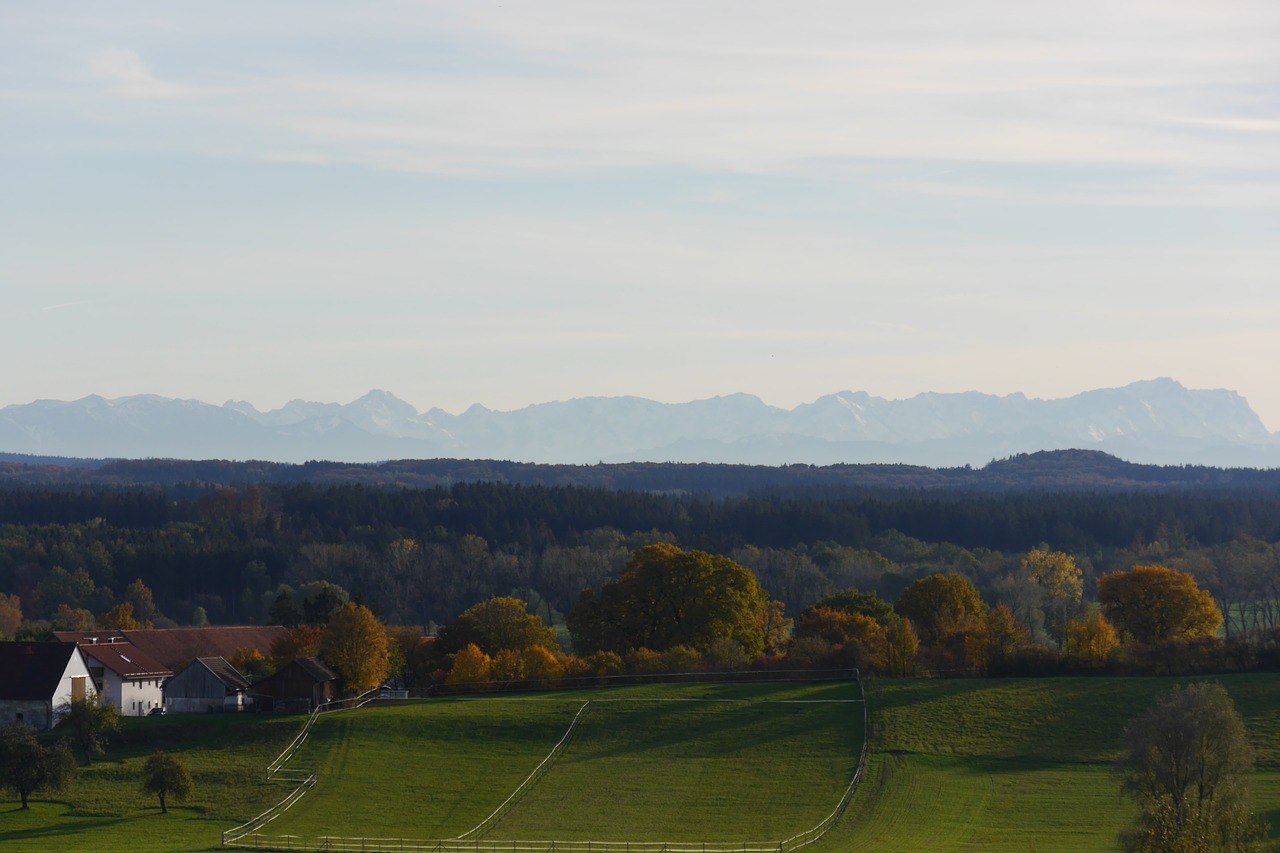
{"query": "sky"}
{"type": "Point", "coordinates": [512, 203]}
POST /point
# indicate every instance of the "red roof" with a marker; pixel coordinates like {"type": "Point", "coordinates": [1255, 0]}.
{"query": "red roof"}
{"type": "Point", "coordinates": [125, 660]}
{"type": "Point", "coordinates": [177, 648]}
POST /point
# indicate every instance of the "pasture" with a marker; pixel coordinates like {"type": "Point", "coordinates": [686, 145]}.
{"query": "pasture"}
{"type": "Point", "coordinates": [964, 765]}
{"type": "Point", "coordinates": [681, 763]}
{"type": "Point", "coordinates": [1019, 764]}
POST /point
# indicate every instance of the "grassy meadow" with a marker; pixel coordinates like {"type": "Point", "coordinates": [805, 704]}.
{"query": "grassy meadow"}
{"type": "Point", "coordinates": [723, 763]}
{"type": "Point", "coordinates": [1019, 764]}
{"type": "Point", "coordinates": [964, 765]}
{"type": "Point", "coordinates": [105, 808]}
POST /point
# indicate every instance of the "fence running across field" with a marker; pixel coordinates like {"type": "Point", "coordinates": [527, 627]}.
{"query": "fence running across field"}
{"type": "Point", "coordinates": [247, 835]}
{"type": "Point", "coordinates": [305, 779]}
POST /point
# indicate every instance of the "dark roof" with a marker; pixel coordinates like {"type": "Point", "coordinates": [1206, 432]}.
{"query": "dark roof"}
{"type": "Point", "coordinates": [176, 648]}
{"type": "Point", "coordinates": [126, 660]}
{"type": "Point", "coordinates": [314, 668]}
{"type": "Point", "coordinates": [224, 672]}
{"type": "Point", "coordinates": [32, 670]}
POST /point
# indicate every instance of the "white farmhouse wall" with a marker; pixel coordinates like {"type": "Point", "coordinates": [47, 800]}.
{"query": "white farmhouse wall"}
{"type": "Point", "coordinates": [133, 697]}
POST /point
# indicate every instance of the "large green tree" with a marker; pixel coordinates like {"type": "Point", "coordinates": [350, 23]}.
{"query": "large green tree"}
{"type": "Point", "coordinates": [940, 605]}
{"type": "Point", "coordinates": [27, 768]}
{"type": "Point", "coordinates": [496, 625]}
{"type": "Point", "coordinates": [1189, 767]}
{"type": "Point", "coordinates": [669, 597]}
{"type": "Point", "coordinates": [91, 720]}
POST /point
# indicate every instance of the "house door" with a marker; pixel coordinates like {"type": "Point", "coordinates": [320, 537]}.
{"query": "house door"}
{"type": "Point", "coordinates": [77, 686]}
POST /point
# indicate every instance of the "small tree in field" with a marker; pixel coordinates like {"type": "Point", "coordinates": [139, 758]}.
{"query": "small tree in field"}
{"type": "Point", "coordinates": [27, 768]}
{"type": "Point", "coordinates": [90, 720]}
{"type": "Point", "coordinates": [165, 776]}
{"type": "Point", "coordinates": [1189, 767]}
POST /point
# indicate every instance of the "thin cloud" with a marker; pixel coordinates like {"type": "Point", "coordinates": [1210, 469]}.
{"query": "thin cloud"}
{"type": "Point", "coordinates": [134, 80]}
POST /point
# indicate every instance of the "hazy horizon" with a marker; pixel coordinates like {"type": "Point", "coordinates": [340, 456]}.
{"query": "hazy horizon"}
{"type": "Point", "coordinates": [505, 205]}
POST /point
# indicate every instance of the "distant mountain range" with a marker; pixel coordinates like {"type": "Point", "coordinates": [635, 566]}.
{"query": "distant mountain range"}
{"type": "Point", "coordinates": [1156, 422]}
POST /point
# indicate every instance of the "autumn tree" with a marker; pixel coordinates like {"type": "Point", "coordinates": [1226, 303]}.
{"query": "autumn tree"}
{"type": "Point", "coordinates": [994, 640]}
{"type": "Point", "coordinates": [469, 666]}
{"type": "Point", "coordinates": [1189, 767]}
{"type": "Point", "coordinates": [1154, 603]}
{"type": "Point", "coordinates": [495, 625]}
{"type": "Point", "coordinates": [542, 665]}
{"type": "Point", "coordinates": [901, 646]}
{"type": "Point", "coordinates": [355, 645]}
{"type": "Point", "coordinates": [300, 641]}
{"type": "Point", "coordinates": [121, 618]}
{"type": "Point", "coordinates": [68, 618]}
{"type": "Point", "coordinates": [27, 768]}
{"type": "Point", "coordinates": [250, 663]}
{"type": "Point", "coordinates": [777, 627]}
{"type": "Point", "coordinates": [139, 595]}
{"type": "Point", "coordinates": [413, 656]}
{"type": "Point", "coordinates": [668, 597]}
{"type": "Point", "coordinates": [91, 721]}
{"type": "Point", "coordinates": [858, 601]}
{"type": "Point", "coordinates": [1061, 585]}
{"type": "Point", "coordinates": [940, 605]}
{"type": "Point", "coordinates": [1090, 640]}
{"type": "Point", "coordinates": [166, 776]}
{"type": "Point", "coordinates": [10, 615]}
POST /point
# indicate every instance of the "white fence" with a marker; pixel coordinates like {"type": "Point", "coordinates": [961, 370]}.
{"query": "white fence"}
{"type": "Point", "coordinates": [529, 781]}
{"type": "Point", "coordinates": [305, 779]}
{"type": "Point", "coordinates": [470, 841]}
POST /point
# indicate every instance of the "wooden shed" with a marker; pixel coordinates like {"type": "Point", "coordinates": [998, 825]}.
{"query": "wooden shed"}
{"type": "Point", "coordinates": [299, 686]}
{"type": "Point", "coordinates": [208, 684]}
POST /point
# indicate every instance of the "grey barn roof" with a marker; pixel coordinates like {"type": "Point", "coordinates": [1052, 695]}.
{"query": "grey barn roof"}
{"type": "Point", "coordinates": [225, 672]}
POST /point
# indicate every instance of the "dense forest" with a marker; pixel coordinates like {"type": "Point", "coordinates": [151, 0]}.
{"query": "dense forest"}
{"type": "Point", "coordinates": [1058, 470]}
{"type": "Point", "coordinates": [420, 556]}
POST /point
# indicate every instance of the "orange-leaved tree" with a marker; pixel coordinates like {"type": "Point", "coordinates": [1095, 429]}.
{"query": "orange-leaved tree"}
{"type": "Point", "coordinates": [355, 645]}
{"type": "Point", "coordinates": [1090, 640]}
{"type": "Point", "coordinates": [470, 665]}
{"type": "Point", "coordinates": [300, 641]}
{"type": "Point", "coordinates": [1155, 603]}
{"type": "Point", "coordinates": [120, 618]}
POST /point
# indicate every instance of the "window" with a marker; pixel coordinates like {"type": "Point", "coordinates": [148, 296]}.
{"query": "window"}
{"type": "Point", "coordinates": [77, 686]}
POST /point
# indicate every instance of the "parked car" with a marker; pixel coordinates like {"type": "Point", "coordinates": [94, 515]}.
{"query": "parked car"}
{"type": "Point", "coordinates": [157, 711]}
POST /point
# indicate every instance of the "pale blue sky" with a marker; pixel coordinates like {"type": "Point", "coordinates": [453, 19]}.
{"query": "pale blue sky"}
{"type": "Point", "coordinates": [513, 203]}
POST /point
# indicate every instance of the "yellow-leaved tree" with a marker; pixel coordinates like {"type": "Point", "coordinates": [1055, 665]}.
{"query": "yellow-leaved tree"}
{"type": "Point", "coordinates": [355, 645]}
{"type": "Point", "coordinates": [1155, 603]}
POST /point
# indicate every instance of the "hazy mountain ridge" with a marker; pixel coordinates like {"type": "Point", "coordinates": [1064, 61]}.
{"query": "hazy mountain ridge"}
{"type": "Point", "coordinates": [1156, 422]}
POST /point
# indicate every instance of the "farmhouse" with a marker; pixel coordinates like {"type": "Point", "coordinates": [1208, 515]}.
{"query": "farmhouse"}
{"type": "Point", "coordinates": [177, 648]}
{"type": "Point", "coordinates": [36, 679]}
{"type": "Point", "coordinates": [300, 685]}
{"type": "Point", "coordinates": [129, 678]}
{"type": "Point", "coordinates": [208, 684]}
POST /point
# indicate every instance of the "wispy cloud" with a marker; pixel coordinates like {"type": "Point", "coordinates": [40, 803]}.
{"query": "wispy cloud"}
{"type": "Point", "coordinates": [133, 79]}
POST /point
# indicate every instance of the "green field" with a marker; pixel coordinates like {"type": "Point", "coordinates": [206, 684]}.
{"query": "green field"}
{"type": "Point", "coordinates": [964, 765]}
{"type": "Point", "coordinates": [1019, 764]}
{"type": "Point", "coordinates": [722, 763]}
{"type": "Point", "coordinates": [105, 808]}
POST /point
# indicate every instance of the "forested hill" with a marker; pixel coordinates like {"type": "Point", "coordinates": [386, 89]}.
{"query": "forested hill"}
{"type": "Point", "coordinates": [1060, 470]}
